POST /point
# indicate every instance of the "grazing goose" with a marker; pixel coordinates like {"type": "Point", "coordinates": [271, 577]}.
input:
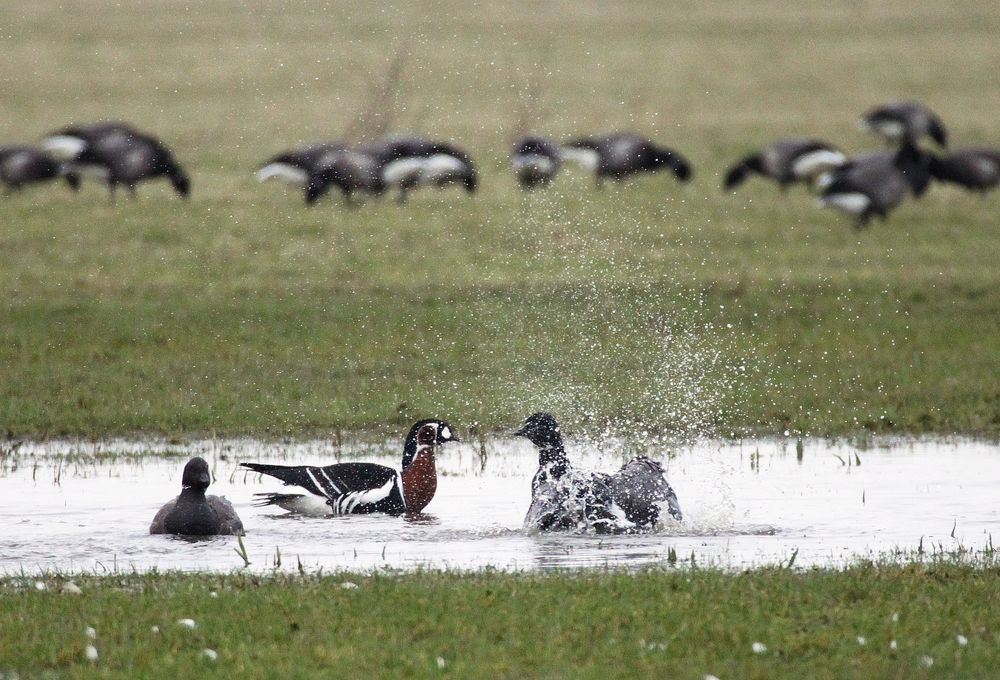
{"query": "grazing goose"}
{"type": "Point", "coordinates": [195, 514]}
{"type": "Point", "coordinates": [361, 488]}
{"type": "Point", "coordinates": [317, 168]}
{"type": "Point", "coordinates": [873, 184]}
{"type": "Point", "coordinates": [563, 498]}
{"type": "Point", "coordinates": [904, 121]}
{"type": "Point", "coordinates": [406, 163]}
{"type": "Point", "coordinates": [622, 154]}
{"type": "Point", "coordinates": [119, 154]}
{"type": "Point", "coordinates": [788, 160]}
{"type": "Point", "coordinates": [976, 168]}
{"type": "Point", "coordinates": [535, 161]}
{"type": "Point", "coordinates": [23, 165]}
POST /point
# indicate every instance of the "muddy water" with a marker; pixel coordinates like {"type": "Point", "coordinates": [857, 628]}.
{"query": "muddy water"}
{"type": "Point", "coordinates": [753, 503]}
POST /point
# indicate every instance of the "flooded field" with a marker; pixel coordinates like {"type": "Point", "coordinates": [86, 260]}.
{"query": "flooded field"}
{"type": "Point", "coordinates": [86, 507]}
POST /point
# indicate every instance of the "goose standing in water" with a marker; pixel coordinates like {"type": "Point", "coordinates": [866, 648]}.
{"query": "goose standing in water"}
{"type": "Point", "coordinates": [563, 498]}
{"type": "Point", "coordinates": [363, 488]}
{"type": "Point", "coordinates": [193, 513]}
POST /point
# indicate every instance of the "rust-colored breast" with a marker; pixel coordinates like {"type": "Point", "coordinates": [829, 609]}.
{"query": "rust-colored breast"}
{"type": "Point", "coordinates": [420, 480]}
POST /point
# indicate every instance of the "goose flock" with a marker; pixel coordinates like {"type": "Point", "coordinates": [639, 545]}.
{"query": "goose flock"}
{"type": "Point", "coordinates": [864, 186]}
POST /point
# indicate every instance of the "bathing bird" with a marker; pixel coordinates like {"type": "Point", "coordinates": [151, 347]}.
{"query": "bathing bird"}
{"type": "Point", "coordinates": [563, 498]}
{"type": "Point", "coordinates": [317, 168]}
{"type": "Point", "coordinates": [21, 165]}
{"type": "Point", "coordinates": [406, 162]}
{"type": "Point", "coordinates": [787, 160]}
{"type": "Point", "coordinates": [974, 168]}
{"type": "Point", "coordinates": [193, 513]}
{"type": "Point", "coordinates": [535, 161]}
{"type": "Point", "coordinates": [874, 184]}
{"type": "Point", "coordinates": [117, 153]}
{"type": "Point", "coordinates": [904, 121]}
{"type": "Point", "coordinates": [361, 488]}
{"type": "Point", "coordinates": [622, 154]}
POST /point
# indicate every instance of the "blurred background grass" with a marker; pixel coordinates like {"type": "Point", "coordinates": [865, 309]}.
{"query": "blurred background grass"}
{"type": "Point", "coordinates": [648, 307]}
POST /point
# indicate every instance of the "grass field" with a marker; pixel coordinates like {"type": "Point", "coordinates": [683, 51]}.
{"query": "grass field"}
{"type": "Point", "coordinates": [653, 305]}
{"type": "Point", "coordinates": [865, 622]}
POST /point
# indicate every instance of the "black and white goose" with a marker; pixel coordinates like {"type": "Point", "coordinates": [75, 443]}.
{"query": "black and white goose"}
{"type": "Point", "coordinates": [974, 168]}
{"type": "Point", "coordinates": [316, 168]}
{"type": "Point", "coordinates": [361, 488]}
{"type": "Point", "coordinates": [535, 161]}
{"type": "Point", "coordinates": [786, 161]}
{"type": "Point", "coordinates": [21, 165]}
{"type": "Point", "coordinates": [904, 121]}
{"type": "Point", "coordinates": [563, 498]}
{"type": "Point", "coordinates": [118, 154]}
{"type": "Point", "coordinates": [620, 155]}
{"type": "Point", "coordinates": [406, 163]}
{"type": "Point", "coordinates": [193, 513]}
{"type": "Point", "coordinates": [874, 184]}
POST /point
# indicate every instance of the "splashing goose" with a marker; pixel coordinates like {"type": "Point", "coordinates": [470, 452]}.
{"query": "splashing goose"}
{"type": "Point", "coordinates": [567, 499]}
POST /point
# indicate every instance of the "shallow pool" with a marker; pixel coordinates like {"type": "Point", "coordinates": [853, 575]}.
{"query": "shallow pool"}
{"type": "Point", "coordinates": [73, 507]}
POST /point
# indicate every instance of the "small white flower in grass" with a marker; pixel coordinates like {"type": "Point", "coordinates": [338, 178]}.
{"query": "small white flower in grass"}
{"type": "Point", "coordinates": [348, 585]}
{"type": "Point", "coordinates": [210, 654]}
{"type": "Point", "coordinates": [71, 588]}
{"type": "Point", "coordinates": [441, 662]}
{"type": "Point", "coordinates": [711, 677]}
{"type": "Point", "coordinates": [90, 632]}
{"type": "Point", "coordinates": [154, 629]}
{"type": "Point", "coordinates": [90, 651]}
{"type": "Point", "coordinates": [187, 623]}
{"type": "Point", "coordinates": [758, 647]}
{"type": "Point", "coordinates": [861, 640]}
{"type": "Point", "coordinates": [39, 585]}
{"type": "Point", "coordinates": [895, 617]}
{"type": "Point", "coordinates": [893, 645]}
{"type": "Point", "coordinates": [961, 640]}
{"type": "Point", "coordinates": [213, 594]}
{"type": "Point", "coordinates": [926, 661]}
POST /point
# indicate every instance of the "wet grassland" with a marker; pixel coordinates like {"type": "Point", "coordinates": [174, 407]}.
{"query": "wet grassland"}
{"type": "Point", "coordinates": [672, 306]}
{"type": "Point", "coordinates": [922, 620]}
{"type": "Point", "coordinates": [648, 307]}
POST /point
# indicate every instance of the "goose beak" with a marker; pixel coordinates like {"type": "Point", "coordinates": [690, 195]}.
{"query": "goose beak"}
{"type": "Point", "coordinates": [522, 431]}
{"type": "Point", "coordinates": [204, 478]}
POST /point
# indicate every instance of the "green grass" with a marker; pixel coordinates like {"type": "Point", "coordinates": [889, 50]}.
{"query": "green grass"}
{"type": "Point", "coordinates": [682, 623]}
{"type": "Point", "coordinates": [673, 306]}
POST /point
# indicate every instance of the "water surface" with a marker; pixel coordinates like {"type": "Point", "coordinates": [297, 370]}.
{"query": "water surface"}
{"type": "Point", "coordinates": [84, 507]}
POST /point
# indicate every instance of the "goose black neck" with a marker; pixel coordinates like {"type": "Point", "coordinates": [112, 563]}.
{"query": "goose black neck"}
{"type": "Point", "coordinates": [191, 494]}
{"type": "Point", "coordinates": [554, 458]}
